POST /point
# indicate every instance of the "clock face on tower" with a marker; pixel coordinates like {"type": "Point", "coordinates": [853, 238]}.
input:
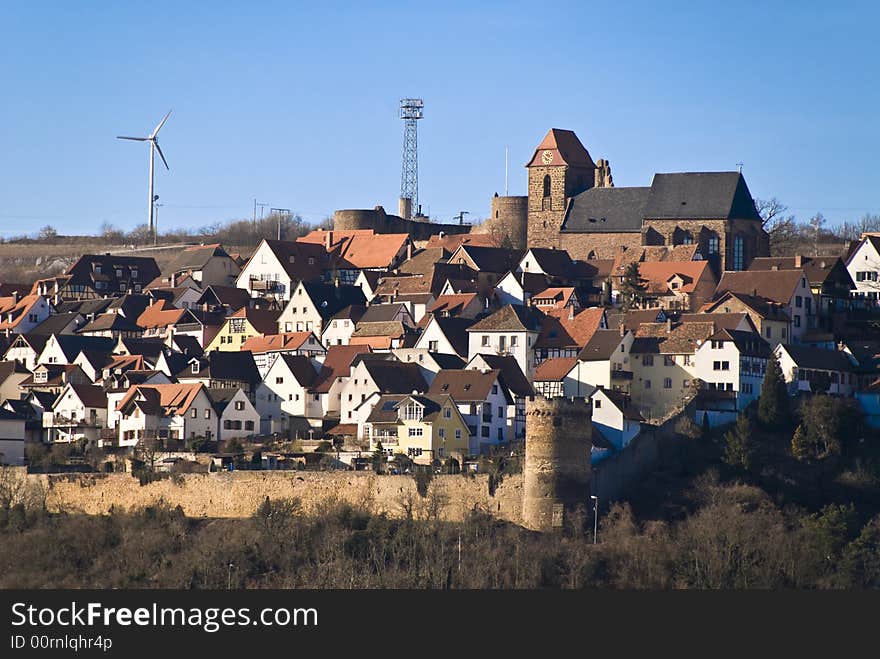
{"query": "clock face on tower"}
{"type": "Point", "coordinates": [547, 157]}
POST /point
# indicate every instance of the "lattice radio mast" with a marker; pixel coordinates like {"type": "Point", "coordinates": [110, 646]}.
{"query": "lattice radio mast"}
{"type": "Point", "coordinates": [410, 112]}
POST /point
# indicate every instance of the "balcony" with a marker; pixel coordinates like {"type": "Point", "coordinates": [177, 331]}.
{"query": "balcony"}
{"type": "Point", "coordinates": [51, 420]}
{"type": "Point", "coordinates": [621, 375]}
{"type": "Point", "coordinates": [266, 286]}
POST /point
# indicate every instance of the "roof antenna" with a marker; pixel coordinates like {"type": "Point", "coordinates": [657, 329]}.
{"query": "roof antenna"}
{"type": "Point", "coordinates": [740, 165]}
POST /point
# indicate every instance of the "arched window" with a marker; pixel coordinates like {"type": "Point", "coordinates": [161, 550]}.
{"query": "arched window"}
{"type": "Point", "coordinates": [592, 255]}
{"type": "Point", "coordinates": [738, 256]}
{"type": "Point", "coordinates": [547, 185]}
{"type": "Point", "coordinates": [496, 215]}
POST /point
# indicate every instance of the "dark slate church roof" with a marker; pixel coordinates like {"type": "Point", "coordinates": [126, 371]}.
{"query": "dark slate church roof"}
{"type": "Point", "coordinates": [612, 210]}
{"type": "Point", "coordinates": [700, 195]}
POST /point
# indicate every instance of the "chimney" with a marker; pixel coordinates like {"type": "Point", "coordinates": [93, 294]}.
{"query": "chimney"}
{"type": "Point", "coordinates": [798, 261]}
{"type": "Point", "coordinates": [409, 247]}
{"type": "Point", "coordinates": [571, 312]}
{"type": "Point", "coordinates": [668, 325]}
{"type": "Point", "coordinates": [328, 240]}
{"type": "Point", "coordinates": [15, 297]}
{"type": "Point", "coordinates": [622, 328]}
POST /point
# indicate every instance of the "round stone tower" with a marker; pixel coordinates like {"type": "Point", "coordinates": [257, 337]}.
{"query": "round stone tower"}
{"type": "Point", "coordinates": [557, 465]}
{"type": "Point", "coordinates": [511, 215]}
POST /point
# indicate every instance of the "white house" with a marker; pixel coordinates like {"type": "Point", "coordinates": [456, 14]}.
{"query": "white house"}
{"type": "Point", "coordinates": [863, 266]}
{"type": "Point", "coordinates": [267, 348]}
{"type": "Point", "coordinates": [485, 405]}
{"type": "Point", "coordinates": [236, 415]}
{"type": "Point", "coordinates": [78, 414]}
{"type": "Point", "coordinates": [512, 330]}
{"type": "Point", "coordinates": [176, 412]}
{"type": "Point", "coordinates": [446, 335]}
{"type": "Point", "coordinates": [276, 266]}
{"type": "Point", "coordinates": [372, 374]}
{"type": "Point", "coordinates": [338, 330]}
{"type": "Point", "coordinates": [818, 370]}
{"type": "Point", "coordinates": [605, 360]}
{"type": "Point", "coordinates": [430, 363]}
{"type": "Point", "coordinates": [733, 360]}
{"type": "Point", "coordinates": [615, 417]}
{"type": "Point", "coordinates": [283, 393]}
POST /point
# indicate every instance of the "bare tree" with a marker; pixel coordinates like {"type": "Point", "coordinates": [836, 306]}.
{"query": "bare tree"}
{"type": "Point", "coordinates": [817, 223]}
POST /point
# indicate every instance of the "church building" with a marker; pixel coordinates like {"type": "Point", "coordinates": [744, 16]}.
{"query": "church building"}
{"type": "Point", "coordinates": [572, 204]}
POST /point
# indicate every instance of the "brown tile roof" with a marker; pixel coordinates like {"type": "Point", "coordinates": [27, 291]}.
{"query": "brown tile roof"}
{"type": "Point", "coordinates": [455, 329]}
{"type": "Point", "coordinates": [388, 328]}
{"type": "Point", "coordinates": [395, 377]}
{"type": "Point", "coordinates": [302, 368]}
{"type": "Point", "coordinates": [657, 275]}
{"type": "Point", "coordinates": [91, 395]}
{"type": "Point", "coordinates": [337, 364]}
{"type": "Point", "coordinates": [360, 248]}
{"type": "Point", "coordinates": [760, 305]}
{"type": "Point", "coordinates": [452, 304]}
{"type": "Point", "coordinates": [817, 268]}
{"type": "Point", "coordinates": [423, 261]}
{"type": "Point", "coordinates": [571, 330]}
{"type": "Point", "coordinates": [554, 369]}
{"type": "Point", "coordinates": [403, 285]}
{"type": "Point", "coordinates": [512, 318]}
{"type": "Point", "coordinates": [294, 258]}
{"type": "Point", "coordinates": [13, 309]}
{"type": "Point", "coordinates": [776, 285]}
{"type": "Point", "coordinates": [557, 296]}
{"type": "Point", "coordinates": [265, 321]}
{"type": "Point", "coordinates": [277, 342]}
{"type": "Point", "coordinates": [465, 386]}
{"type": "Point", "coordinates": [512, 376]}
{"type": "Point", "coordinates": [601, 346]}
{"type": "Point", "coordinates": [730, 321]}
{"type": "Point", "coordinates": [633, 318]}
{"type": "Point", "coordinates": [160, 314]}
{"type": "Point", "coordinates": [566, 148]}
{"type": "Point", "coordinates": [683, 338]}
{"type": "Point", "coordinates": [452, 242]}
{"type": "Point", "coordinates": [167, 399]}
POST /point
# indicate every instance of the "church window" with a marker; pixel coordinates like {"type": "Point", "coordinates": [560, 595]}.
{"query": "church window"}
{"type": "Point", "coordinates": [547, 185]}
{"type": "Point", "coordinates": [592, 255]}
{"type": "Point", "coordinates": [713, 244]}
{"type": "Point", "coordinates": [738, 260]}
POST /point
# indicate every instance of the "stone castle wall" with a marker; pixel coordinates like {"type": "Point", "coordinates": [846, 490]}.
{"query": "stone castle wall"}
{"type": "Point", "coordinates": [238, 494]}
{"type": "Point", "coordinates": [380, 222]}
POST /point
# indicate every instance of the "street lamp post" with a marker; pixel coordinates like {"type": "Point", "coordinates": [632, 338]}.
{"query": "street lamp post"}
{"type": "Point", "coordinates": [595, 517]}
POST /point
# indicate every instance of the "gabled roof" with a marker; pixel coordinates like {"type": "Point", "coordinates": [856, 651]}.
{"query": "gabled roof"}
{"type": "Point", "coordinates": [295, 258]}
{"type": "Point", "coordinates": [14, 309]}
{"type": "Point", "coordinates": [110, 322]}
{"type": "Point", "coordinates": [160, 314]}
{"type": "Point", "coordinates": [85, 307]}
{"type": "Point", "coordinates": [84, 270]}
{"type": "Point", "coordinates": [384, 312]}
{"type": "Point", "coordinates": [452, 304]}
{"type": "Point", "coordinates": [680, 339]}
{"type": "Point", "coordinates": [162, 399]}
{"type": "Point", "coordinates": [8, 368]}
{"type": "Point", "coordinates": [228, 365]}
{"type": "Point", "coordinates": [150, 348]}
{"type": "Point", "coordinates": [511, 376]}
{"type": "Point", "coordinates": [700, 196]}
{"type": "Point", "coordinates": [465, 386]}
{"type": "Point", "coordinates": [599, 210]}
{"type": "Point", "coordinates": [512, 318]}
{"type": "Point", "coordinates": [395, 376]}
{"type": "Point", "coordinates": [352, 312]}
{"type": "Point", "coordinates": [554, 262]}
{"type": "Point", "coordinates": [90, 395]}
{"type": "Point", "coordinates": [818, 358]}
{"type": "Point", "coordinates": [554, 369]}
{"type": "Point", "coordinates": [278, 342]}
{"type": "Point", "coordinates": [489, 259]}
{"type": "Point", "coordinates": [36, 341]}
{"type": "Point", "coordinates": [196, 257]}
{"type": "Point", "coordinates": [423, 261]}
{"type": "Point", "coordinates": [187, 344]}
{"type": "Point", "coordinates": [385, 409]}
{"type": "Point", "coordinates": [56, 323]}
{"type": "Point", "coordinates": [601, 346]}
{"type": "Point", "coordinates": [760, 305]}
{"type": "Point", "coordinates": [329, 299]}
{"type": "Point", "coordinates": [72, 344]}
{"type": "Point", "coordinates": [452, 241]}
{"type": "Point", "coordinates": [560, 328]}
{"type": "Point", "coordinates": [776, 285]}
{"type": "Point", "coordinates": [747, 343]}
{"type": "Point", "coordinates": [391, 329]}
{"type": "Point", "coordinates": [816, 268]}
{"type": "Point", "coordinates": [658, 276]}
{"type": "Point", "coordinates": [337, 364]}
{"type": "Point", "coordinates": [455, 330]}
{"type": "Point", "coordinates": [730, 321]}
{"type": "Point", "coordinates": [265, 321]}
{"type": "Point", "coordinates": [566, 148]}
{"type": "Point", "coordinates": [229, 296]}
{"type": "Point", "coordinates": [301, 367]}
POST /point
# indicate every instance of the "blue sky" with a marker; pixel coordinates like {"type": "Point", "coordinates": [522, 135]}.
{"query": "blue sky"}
{"type": "Point", "coordinates": [296, 104]}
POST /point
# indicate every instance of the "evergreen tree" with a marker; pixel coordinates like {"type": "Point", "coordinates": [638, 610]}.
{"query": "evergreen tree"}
{"type": "Point", "coordinates": [739, 447]}
{"type": "Point", "coordinates": [632, 287]}
{"type": "Point", "coordinates": [773, 405]}
{"type": "Point", "coordinates": [800, 446]}
{"type": "Point", "coordinates": [379, 458]}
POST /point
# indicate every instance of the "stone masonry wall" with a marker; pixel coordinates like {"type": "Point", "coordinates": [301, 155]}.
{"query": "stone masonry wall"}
{"type": "Point", "coordinates": [237, 494]}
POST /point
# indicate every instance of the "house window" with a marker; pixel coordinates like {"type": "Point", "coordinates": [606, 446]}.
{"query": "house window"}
{"type": "Point", "coordinates": [667, 383]}
{"type": "Point", "coordinates": [415, 432]}
{"type": "Point", "coordinates": [687, 360]}
{"type": "Point", "coordinates": [442, 433]}
{"type": "Point", "coordinates": [447, 412]}
{"type": "Point", "coordinates": [279, 380]}
{"type": "Point", "coordinates": [208, 413]}
{"type": "Point", "coordinates": [768, 332]}
{"type": "Point", "coordinates": [433, 346]}
{"type": "Point", "coordinates": [647, 384]}
{"type": "Point", "coordinates": [647, 360]}
{"type": "Point", "coordinates": [669, 360]}
{"type": "Point", "coordinates": [494, 388]}
{"type": "Point", "coordinates": [514, 341]}
{"type": "Point", "coordinates": [458, 433]}
{"type": "Point", "coordinates": [798, 301]}
{"type": "Point", "coordinates": [248, 425]}
{"type": "Point", "coordinates": [118, 272]}
{"type": "Point", "coordinates": [237, 325]}
{"type": "Point", "coordinates": [597, 403]}
{"type": "Point", "coordinates": [485, 340]}
{"type": "Point", "coordinates": [193, 413]}
{"type": "Point", "coordinates": [797, 321]}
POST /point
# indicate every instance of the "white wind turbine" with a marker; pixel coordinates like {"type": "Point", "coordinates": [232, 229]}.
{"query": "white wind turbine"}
{"type": "Point", "coordinates": [154, 146]}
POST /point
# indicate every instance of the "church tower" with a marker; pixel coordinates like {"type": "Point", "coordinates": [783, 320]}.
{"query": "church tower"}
{"type": "Point", "coordinates": [560, 168]}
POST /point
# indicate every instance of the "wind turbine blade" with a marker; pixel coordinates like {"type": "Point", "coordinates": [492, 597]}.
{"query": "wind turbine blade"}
{"type": "Point", "coordinates": [136, 139]}
{"type": "Point", "coordinates": [161, 123]}
{"type": "Point", "coordinates": [156, 144]}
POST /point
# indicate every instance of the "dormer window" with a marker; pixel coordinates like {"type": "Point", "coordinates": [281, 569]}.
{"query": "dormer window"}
{"type": "Point", "coordinates": [195, 367]}
{"type": "Point", "coordinates": [413, 412]}
{"type": "Point", "coordinates": [97, 269]}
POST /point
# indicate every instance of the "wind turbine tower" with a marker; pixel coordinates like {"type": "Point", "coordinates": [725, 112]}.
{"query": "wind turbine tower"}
{"type": "Point", "coordinates": [410, 112]}
{"type": "Point", "coordinates": [154, 147]}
